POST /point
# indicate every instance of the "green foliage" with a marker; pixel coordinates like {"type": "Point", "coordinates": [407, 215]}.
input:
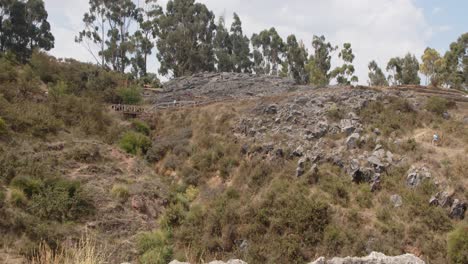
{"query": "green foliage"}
{"type": "Point", "coordinates": [24, 27]}
{"type": "Point", "coordinates": [376, 75]}
{"type": "Point", "coordinates": [240, 47]}
{"type": "Point", "coordinates": [223, 48]}
{"type": "Point", "coordinates": [457, 245]}
{"type": "Point", "coordinates": [129, 95]}
{"type": "Point", "coordinates": [268, 49]}
{"type": "Point", "coordinates": [319, 63]}
{"type": "Point", "coordinates": [135, 143]}
{"type": "Point", "coordinates": [404, 70]}
{"type": "Point", "coordinates": [456, 63]}
{"type": "Point", "coordinates": [82, 112]}
{"type": "Point", "coordinates": [433, 66]}
{"type": "Point", "coordinates": [115, 42]}
{"type": "Point", "coordinates": [141, 127]}
{"type": "Point", "coordinates": [364, 197]}
{"type": "Point", "coordinates": [120, 192]}
{"type": "Point", "coordinates": [17, 198]}
{"type": "Point", "coordinates": [154, 247]}
{"type": "Point", "coordinates": [397, 116]}
{"type": "Point", "coordinates": [296, 60]}
{"type": "Point", "coordinates": [335, 113]}
{"type": "Point", "coordinates": [185, 37]}
{"type": "Point", "coordinates": [437, 105]}
{"type": "Point", "coordinates": [54, 199]}
{"type": "Point", "coordinates": [344, 74]}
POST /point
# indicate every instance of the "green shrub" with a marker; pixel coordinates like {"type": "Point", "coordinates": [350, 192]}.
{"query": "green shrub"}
{"type": "Point", "coordinates": [397, 116]}
{"type": "Point", "coordinates": [154, 247]}
{"type": "Point", "coordinates": [83, 112]}
{"type": "Point", "coordinates": [60, 200]}
{"type": "Point", "coordinates": [120, 191]}
{"type": "Point", "coordinates": [334, 240]}
{"type": "Point", "coordinates": [457, 245]}
{"type": "Point", "coordinates": [135, 143]}
{"type": "Point", "coordinates": [130, 95]}
{"type": "Point", "coordinates": [141, 127]}
{"type": "Point", "coordinates": [437, 105]}
{"type": "Point", "coordinates": [364, 197]}
{"type": "Point", "coordinates": [52, 199]}
{"type": "Point", "coordinates": [17, 197]}
{"type": "Point", "coordinates": [335, 113]}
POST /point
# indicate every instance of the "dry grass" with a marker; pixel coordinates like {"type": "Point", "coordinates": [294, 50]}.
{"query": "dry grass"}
{"type": "Point", "coordinates": [84, 252]}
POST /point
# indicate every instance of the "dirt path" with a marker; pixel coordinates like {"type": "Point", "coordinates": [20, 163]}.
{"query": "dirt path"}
{"type": "Point", "coordinates": [423, 136]}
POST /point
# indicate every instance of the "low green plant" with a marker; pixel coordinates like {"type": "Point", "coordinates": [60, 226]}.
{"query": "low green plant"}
{"type": "Point", "coordinates": [17, 197]}
{"type": "Point", "coordinates": [457, 245]}
{"type": "Point", "coordinates": [154, 247]}
{"type": "Point", "coordinates": [141, 127]}
{"type": "Point", "coordinates": [135, 143]}
{"type": "Point", "coordinates": [334, 113]}
{"type": "Point", "coordinates": [364, 197]}
{"type": "Point", "coordinates": [121, 192]}
{"type": "Point", "coordinates": [129, 95]}
{"type": "Point", "coordinates": [438, 105]}
{"type": "Point", "coordinates": [52, 198]}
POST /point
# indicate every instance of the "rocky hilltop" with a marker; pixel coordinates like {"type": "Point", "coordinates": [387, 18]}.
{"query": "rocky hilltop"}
{"type": "Point", "coordinates": [222, 86]}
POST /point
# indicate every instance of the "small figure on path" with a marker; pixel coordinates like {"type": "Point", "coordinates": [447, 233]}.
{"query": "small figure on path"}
{"type": "Point", "coordinates": [435, 139]}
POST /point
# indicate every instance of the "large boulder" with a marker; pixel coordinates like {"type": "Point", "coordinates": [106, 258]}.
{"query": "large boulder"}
{"type": "Point", "coordinates": [417, 175]}
{"type": "Point", "coordinates": [271, 109]}
{"type": "Point", "coordinates": [320, 130]}
{"type": "Point", "coordinates": [352, 141]}
{"type": "Point", "coordinates": [396, 200]}
{"type": "Point", "coordinates": [458, 209]}
{"type": "Point", "coordinates": [348, 126]}
{"type": "Point", "coordinates": [373, 258]}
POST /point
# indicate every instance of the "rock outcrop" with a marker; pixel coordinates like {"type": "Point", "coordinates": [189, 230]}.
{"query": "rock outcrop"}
{"type": "Point", "coordinates": [204, 87]}
{"type": "Point", "coordinates": [232, 261]}
{"type": "Point", "coordinates": [373, 258]}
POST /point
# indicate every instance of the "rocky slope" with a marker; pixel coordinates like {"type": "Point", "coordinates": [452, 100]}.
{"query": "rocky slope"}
{"type": "Point", "coordinates": [366, 152]}
{"type": "Point", "coordinates": [373, 258]}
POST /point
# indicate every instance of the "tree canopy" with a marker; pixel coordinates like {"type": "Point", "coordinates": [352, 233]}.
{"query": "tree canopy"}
{"type": "Point", "coordinates": [24, 27]}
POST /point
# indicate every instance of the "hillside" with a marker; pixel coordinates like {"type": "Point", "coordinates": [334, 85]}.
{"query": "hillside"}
{"type": "Point", "coordinates": [257, 169]}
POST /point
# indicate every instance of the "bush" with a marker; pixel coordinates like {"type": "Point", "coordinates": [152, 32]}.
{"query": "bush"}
{"type": "Point", "coordinates": [130, 95]}
{"type": "Point", "coordinates": [335, 113]}
{"type": "Point", "coordinates": [397, 116]}
{"type": "Point", "coordinates": [457, 245]}
{"type": "Point", "coordinates": [120, 192]}
{"type": "Point", "coordinates": [17, 198]}
{"type": "Point", "coordinates": [437, 105]}
{"type": "Point", "coordinates": [85, 113]}
{"type": "Point", "coordinates": [141, 127]}
{"type": "Point", "coordinates": [52, 199]}
{"type": "Point", "coordinates": [364, 197]}
{"type": "Point", "coordinates": [154, 247]}
{"type": "Point", "coordinates": [135, 143]}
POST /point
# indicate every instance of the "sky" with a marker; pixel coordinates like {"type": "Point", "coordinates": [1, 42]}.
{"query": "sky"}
{"type": "Point", "coordinates": [377, 29]}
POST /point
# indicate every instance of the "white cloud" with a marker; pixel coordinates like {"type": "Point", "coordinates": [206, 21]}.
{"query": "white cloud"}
{"type": "Point", "coordinates": [436, 10]}
{"type": "Point", "coordinates": [377, 29]}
